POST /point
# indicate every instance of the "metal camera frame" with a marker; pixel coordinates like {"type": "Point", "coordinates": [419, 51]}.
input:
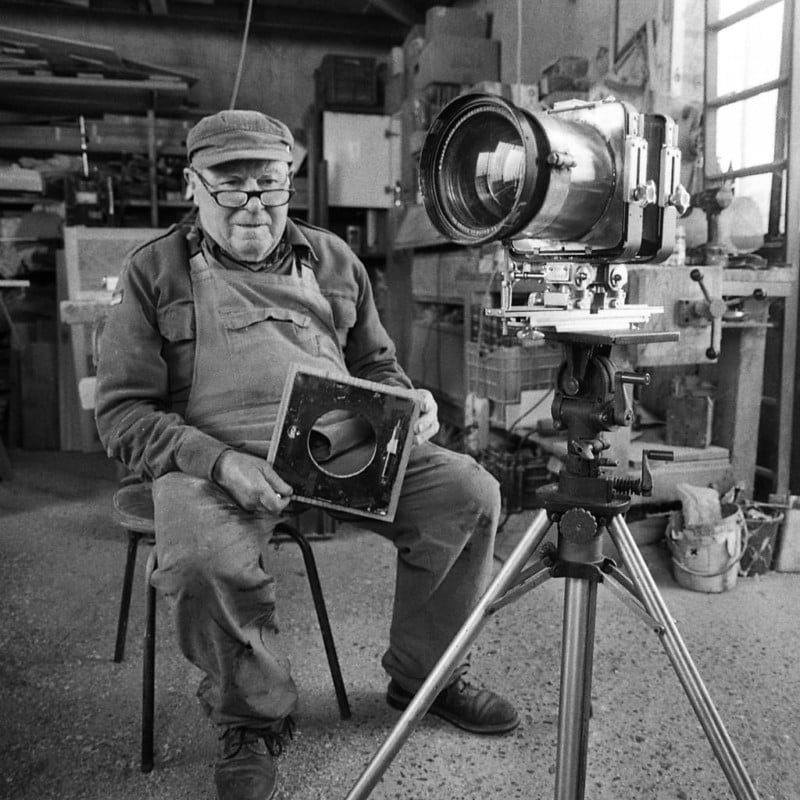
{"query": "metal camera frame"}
{"type": "Point", "coordinates": [599, 188]}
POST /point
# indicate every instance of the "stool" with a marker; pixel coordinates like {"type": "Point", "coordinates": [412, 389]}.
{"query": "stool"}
{"type": "Point", "coordinates": [133, 507]}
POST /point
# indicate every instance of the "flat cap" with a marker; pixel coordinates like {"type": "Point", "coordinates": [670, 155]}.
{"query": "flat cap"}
{"type": "Point", "coordinates": [238, 134]}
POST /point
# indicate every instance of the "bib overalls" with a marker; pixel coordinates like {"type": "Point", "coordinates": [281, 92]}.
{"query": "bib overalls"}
{"type": "Point", "coordinates": [213, 563]}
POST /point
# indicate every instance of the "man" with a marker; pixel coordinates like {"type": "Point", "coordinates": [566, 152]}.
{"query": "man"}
{"type": "Point", "coordinates": [205, 324]}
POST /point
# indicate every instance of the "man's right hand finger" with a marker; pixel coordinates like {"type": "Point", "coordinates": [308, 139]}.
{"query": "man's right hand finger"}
{"type": "Point", "coordinates": [252, 483]}
{"type": "Point", "coordinates": [273, 501]}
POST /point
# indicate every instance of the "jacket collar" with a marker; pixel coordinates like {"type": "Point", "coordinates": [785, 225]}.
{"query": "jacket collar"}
{"type": "Point", "coordinates": [293, 240]}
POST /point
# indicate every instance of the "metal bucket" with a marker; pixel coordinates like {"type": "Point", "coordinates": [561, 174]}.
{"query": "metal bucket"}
{"type": "Point", "coordinates": [705, 558]}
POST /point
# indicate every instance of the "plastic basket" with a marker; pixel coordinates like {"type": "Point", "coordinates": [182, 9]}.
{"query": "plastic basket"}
{"type": "Point", "coordinates": [520, 474]}
{"type": "Point", "coordinates": [345, 81]}
{"type": "Point", "coordinates": [503, 374]}
{"type": "Point", "coordinates": [760, 538]}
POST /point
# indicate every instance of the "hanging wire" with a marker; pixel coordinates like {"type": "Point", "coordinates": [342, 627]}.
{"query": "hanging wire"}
{"type": "Point", "coordinates": [242, 52]}
{"type": "Point", "coordinates": [519, 41]}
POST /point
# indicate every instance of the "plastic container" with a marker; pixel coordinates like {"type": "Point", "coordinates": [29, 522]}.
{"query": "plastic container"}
{"type": "Point", "coordinates": [705, 558]}
{"type": "Point", "coordinates": [503, 374]}
{"type": "Point", "coordinates": [760, 538]}
{"type": "Point", "coordinates": [345, 82]}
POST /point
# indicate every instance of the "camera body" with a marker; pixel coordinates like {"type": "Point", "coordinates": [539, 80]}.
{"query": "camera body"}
{"type": "Point", "coordinates": [573, 194]}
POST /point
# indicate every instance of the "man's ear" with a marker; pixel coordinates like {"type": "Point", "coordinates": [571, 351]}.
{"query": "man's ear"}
{"type": "Point", "coordinates": [189, 177]}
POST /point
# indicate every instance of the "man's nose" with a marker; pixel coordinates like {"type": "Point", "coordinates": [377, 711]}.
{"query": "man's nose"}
{"type": "Point", "coordinates": [254, 203]}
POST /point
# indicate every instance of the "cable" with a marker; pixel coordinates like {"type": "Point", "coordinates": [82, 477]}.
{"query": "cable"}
{"type": "Point", "coordinates": [242, 52]}
{"type": "Point", "coordinates": [530, 410]}
{"type": "Point", "coordinates": [519, 41]}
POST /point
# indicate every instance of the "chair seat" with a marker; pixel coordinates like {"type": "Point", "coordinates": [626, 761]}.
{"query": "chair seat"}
{"type": "Point", "coordinates": [133, 508]}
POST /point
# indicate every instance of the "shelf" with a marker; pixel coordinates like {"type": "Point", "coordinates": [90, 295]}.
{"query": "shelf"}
{"type": "Point", "coordinates": [120, 135]}
{"type": "Point", "coordinates": [20, 199]}
{"type": "Point", "coordinates": [141, 202]}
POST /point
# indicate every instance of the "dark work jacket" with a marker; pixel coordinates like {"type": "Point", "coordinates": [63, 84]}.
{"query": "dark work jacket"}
{"type": "Point", "coordinates": [147, 347]}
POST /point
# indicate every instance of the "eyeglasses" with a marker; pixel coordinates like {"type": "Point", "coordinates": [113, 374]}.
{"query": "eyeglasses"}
{"type": "Point", "coordinates": [239, 198]}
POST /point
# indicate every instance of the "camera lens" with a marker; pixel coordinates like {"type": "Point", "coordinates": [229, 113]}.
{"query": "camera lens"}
{"type": "Point", "coordinates": [478, 169]}
{"type": "Point", "coordinates": [489, 167]}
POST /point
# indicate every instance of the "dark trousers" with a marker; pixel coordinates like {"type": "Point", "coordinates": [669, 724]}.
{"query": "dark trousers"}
{"type": "Point", "coordinates": [213, 565]}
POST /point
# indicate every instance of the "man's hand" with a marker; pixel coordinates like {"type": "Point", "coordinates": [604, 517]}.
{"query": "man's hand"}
{"type": "Point", "coordinates": [428, 421]}
{"type": "Point", "coordinates": [251, 482]}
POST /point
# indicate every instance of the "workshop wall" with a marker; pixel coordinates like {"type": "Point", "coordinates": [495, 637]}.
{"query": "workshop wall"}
{"type": "Point", "coordinates": [672, 70]}
{"type": "Point", "coordinates": [278, 74]}
{"type": "Point", "coordinates": [549, 31]}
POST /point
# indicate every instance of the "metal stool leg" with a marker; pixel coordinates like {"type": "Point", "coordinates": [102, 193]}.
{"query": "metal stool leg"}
{"type": "Point", "coordinates": [322, 616]}
{"type": "Point", "coordinates": [149, 666]}
{"type": "Point", "coordinates": [125, 601]}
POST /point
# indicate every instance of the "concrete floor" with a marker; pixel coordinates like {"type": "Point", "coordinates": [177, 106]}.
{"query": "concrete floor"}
{"type": "Point", "coordinates": [70, 715]}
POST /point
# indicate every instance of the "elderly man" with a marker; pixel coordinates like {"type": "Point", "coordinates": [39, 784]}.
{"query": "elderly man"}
{"type": "Point", "coordinates": [204, 326]}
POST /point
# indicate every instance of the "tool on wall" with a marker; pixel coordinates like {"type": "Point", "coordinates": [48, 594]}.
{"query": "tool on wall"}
{"type": "Point", "coordinates": [89, 195]}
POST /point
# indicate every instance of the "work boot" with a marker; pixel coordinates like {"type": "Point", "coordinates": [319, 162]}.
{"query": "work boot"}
{"type": "Point", "coordinates": [475, 710]}
{"type": "Point", "coordinates": [245, 767]}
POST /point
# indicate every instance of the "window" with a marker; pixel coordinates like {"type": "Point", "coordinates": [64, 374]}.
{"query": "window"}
{"type": "Point", "coordinates": [747, 97]}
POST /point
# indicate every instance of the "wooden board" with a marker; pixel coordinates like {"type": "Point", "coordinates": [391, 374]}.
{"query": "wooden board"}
{"type": "Point", "coordinates": [90, 255]}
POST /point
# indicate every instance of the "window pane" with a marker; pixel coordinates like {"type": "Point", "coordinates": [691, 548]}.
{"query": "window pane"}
{"type": "Point", "coordinates": [746, 133]}
{"type": "Point", "coordinates": [749, 51]}
{"type": "Point", "coordinates": [758, 189]}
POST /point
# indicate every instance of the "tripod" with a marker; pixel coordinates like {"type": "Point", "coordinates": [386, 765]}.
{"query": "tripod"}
{"type": "Point", "coordinates": [590, 398]}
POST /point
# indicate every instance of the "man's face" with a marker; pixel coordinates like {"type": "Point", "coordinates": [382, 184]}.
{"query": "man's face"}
{"type": "Point", "coordinates": [249, 233]}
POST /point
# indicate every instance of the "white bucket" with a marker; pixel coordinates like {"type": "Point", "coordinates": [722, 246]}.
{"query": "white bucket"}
{"type": "Point", "coordinates": [706, 558]}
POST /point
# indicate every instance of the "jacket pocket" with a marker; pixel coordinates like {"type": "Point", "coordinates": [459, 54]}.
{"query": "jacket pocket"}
{"type": "Point", "coordinates": [244, 318]}
{"type": "Point", "coordinates": [285, 333]}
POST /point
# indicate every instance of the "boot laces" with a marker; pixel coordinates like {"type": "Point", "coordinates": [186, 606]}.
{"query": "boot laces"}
{"type": "Point", "coordinates": [274, 738]}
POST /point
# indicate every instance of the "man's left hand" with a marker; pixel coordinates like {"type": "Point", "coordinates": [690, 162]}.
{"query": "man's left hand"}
{"type": "Point", "coordinates": [428, 421]}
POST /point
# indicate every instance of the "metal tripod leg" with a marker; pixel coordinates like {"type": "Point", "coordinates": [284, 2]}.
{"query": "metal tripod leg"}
{"type": "Point", "coordinates": [682, 662]}
{"type": "Point", "coordinates": [577, 650]}
{"type": "Point", "coordinates": [451, 657]}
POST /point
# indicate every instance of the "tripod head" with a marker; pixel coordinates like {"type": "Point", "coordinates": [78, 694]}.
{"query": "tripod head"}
{"type": "Point", "coordinates": [590, 398]}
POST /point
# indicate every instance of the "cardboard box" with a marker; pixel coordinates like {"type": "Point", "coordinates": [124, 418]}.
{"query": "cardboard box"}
{"type": "Point", "coordinates": [457, 59]}
{"type": "Point", "coordinates": [441, 21]}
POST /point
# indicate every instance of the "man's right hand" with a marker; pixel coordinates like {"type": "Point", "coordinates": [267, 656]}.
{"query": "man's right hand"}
{"type": "Point", "coordinates": [251, 482]}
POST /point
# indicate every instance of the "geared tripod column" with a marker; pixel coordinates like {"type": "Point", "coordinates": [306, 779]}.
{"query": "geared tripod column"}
{"type": "Point", "coordinates": [590, 398]}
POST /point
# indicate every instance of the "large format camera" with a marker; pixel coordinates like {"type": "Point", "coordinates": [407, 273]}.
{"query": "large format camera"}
{"type": "Point", "coordinates": [573, 194]}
